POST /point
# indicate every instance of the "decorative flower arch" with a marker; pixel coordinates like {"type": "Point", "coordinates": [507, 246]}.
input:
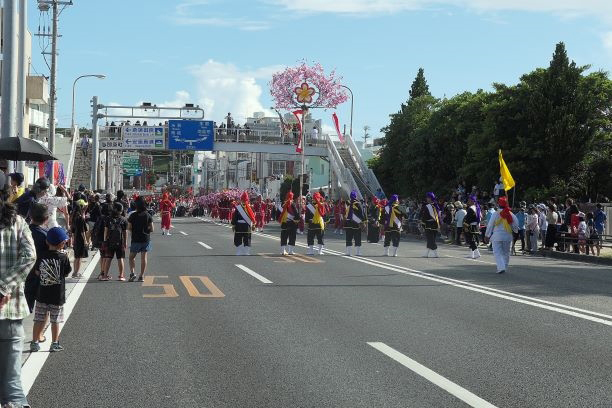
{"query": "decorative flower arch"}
{"type": "Point", "coordinates": [307, 87]}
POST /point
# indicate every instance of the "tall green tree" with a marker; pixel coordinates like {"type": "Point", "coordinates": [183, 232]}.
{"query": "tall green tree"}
{"type": "Point", "coordinates": [554, 127]}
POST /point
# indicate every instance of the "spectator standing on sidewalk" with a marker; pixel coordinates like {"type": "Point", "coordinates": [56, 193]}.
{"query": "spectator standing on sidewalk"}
{"type": "Point", "coordinates": [459, 215]}
{"type": "Point", "coordinates": [140, 225]}
{"type": "Point", "coordinates": [52, 267]}
{"type": "Point", "coordinates": [17, 257]}
{"type": "Point", "coordinates": [599, 220]}
{"type": "Point", "coordinates": [79, 233]}
{"type": "Point", "coordinates": [39, 235]}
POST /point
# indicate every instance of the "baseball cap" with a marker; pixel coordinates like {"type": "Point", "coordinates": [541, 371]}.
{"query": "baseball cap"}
{"type": "Point", "coordinates": [57, 235]}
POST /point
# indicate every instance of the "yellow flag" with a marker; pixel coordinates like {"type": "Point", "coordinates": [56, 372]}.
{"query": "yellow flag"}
{"type": "Point", "coordinates": [505, 173]}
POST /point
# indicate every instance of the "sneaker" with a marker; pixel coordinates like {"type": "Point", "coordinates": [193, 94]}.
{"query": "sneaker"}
{"type": "Point", "coordinates": [34, 346]}
{"type": "Point", "coordinates": [132, 277]}
{"type": "Point", "coordinates": [55, 347]}
{"type": "Point", "coordinates": [140, 278]}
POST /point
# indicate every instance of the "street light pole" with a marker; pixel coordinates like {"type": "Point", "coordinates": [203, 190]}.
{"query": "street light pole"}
{"type": "Point", "coordinates": [349, 89]}
{"type": "Point", "coordinates": [99, 76]}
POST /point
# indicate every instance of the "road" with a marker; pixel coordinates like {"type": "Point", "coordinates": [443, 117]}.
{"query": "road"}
{"type": "Point", "coordinates": [333, 331]}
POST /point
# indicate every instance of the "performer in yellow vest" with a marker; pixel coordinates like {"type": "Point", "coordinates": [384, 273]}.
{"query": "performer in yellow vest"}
{"type": "Point", "coordinates": [354, 218]}
{"type": "Point", "coordinates": [315, 212]}
{"type": "Point", "coordinates": [392, 218]}
{"type": "Point", "coordinates": [430, 218]}
{"type": "Point", "coordinates": [288, 219]}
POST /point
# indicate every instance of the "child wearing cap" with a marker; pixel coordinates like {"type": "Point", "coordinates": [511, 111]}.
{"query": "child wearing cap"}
{"type": "Point", "coordinates": [52, 267]}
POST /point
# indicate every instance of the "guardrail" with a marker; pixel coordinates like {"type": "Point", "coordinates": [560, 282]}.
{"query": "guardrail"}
{"type": "Point", "coordinates": [238, 135]}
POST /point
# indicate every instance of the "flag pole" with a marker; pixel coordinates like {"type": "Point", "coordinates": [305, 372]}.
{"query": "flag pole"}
{"type": "Point", "coordinates": [513, 195]}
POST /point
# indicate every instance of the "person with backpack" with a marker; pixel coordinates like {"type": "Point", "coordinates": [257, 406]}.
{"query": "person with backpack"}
{"type": "Point", "coordinates": [115, 240]}
{"type": "Point", "coordinates": [140, 225]}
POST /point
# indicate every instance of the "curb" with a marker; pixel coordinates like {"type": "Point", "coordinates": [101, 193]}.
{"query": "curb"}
{"type": "Point", "coordinates": [598, 260]}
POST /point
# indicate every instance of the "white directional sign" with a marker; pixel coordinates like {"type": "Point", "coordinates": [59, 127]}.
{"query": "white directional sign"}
{"type": "Point", "coordinates": [143, 138]}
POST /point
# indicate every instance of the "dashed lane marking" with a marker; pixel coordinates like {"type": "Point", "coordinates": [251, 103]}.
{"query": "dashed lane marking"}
{"type": "Point", "coordinates": [447, 385]}
{"type": "Point", "coordinates": [254, 274]}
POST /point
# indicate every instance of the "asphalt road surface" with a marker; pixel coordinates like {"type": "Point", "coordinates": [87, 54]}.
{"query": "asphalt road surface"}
{"type": "Point", "coordinates": [210, 329]}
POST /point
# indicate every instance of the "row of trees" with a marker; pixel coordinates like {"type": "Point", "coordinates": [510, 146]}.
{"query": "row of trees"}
{"type": "Point", "coordinates": [554, 128]}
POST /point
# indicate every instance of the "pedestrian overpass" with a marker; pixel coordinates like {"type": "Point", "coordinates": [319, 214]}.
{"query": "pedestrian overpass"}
{"type": "Point", "coordinates": [348, 169]}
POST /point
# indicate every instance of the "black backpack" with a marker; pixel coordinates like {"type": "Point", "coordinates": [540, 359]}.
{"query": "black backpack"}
{"type": "Point", "coordinates": [115, 239]}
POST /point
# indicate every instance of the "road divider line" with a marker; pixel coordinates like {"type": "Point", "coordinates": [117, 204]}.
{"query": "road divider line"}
{"type": "Point", "coordinates": [184, 233]}
{"type": "Point", "coordinates": [254, 274]}
{"type": "Point", "coordinates": [447, 385]}
{"type": "Point", "coordinates": [514, 297]}
{"type": "Point", "coordinates": [204, 245]}
{"type": "Point", "coordinates": [34, 364]}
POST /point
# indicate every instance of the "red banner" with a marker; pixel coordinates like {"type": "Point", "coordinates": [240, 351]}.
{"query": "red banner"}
{"type": "Point", "coordinates": [298, 115]}
{"type": "Point", "coordinates": [337, 125]}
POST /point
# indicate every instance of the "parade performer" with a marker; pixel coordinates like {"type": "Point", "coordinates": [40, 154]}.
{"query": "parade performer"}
{"type": "Point", "coordinates": [242, 224]}
{"type": "Point", "coordinates": [374, 215]}
{"type": "Point", "coordinates": [165, 208]}
{"type": "Point", "coordinates": [338, 213]}
{"type": "Point", "coordinates": [499, 231]}
{"type": "Point", "coordinates": [430, 219]}
{"type": "Point", "coordinates": [392, 219]}
{"type": "Point", "coordinates": [315, 212]}
{"type": "Point", "coordinates": [354, 220]}
{"type": "Point", "coordinates": [471, 225]}
{"type": "Point", "coordinates": [288, 219]}
{"type": "Point", "coordinates": [260, 213]}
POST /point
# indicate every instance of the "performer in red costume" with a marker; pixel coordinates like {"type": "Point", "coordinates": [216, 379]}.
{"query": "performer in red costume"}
{"type": "Point", "coordinates": [260, 211]}
{"type": "Point", "coordinates": [165, 208]}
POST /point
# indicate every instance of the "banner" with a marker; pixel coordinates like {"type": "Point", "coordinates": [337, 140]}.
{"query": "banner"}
{"type": "Point", "coordinates": [299, 114]}
{"type": "Point", "coordinates": [143, 138]}
{"type": "Point", "coordinates": [505, 173]}
{"type": "Point", "coordinates": [337, 125]}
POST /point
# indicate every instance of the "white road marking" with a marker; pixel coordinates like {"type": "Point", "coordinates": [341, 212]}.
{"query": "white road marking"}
{"type": "Point", "coordinates": [34, 364]}
{"type": "Point", "coordinates": [447, 385]}
{"type": "Point", "coordinates": [184, 233]}
{"type": "Point", "coordinates": [527, 300]}
{"type": "Point", "coordinates": [253, 274]}
{"type": "Point", "coordinates": [204, 245]}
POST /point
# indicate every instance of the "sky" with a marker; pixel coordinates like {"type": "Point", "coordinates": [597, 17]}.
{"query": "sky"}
{"type": "Point", "coordinates": [221, 54]}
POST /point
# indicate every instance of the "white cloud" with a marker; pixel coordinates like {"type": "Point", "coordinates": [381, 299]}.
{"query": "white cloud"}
{"type": "Point", "coordinates": [602, 8]}
{"type": "Point", "coordinates": [188, 13]}
{"type": "Point", "coordinates": [223, 87]}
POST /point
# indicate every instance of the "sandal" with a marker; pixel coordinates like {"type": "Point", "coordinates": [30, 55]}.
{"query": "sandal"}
{"type": "Point", "coordinates": [77, 276]}
{"type": "Point", "coordinates": [107, 278]}
{"type": "Point", "coordinates": [101, 277]}
{"type": "Point", "coordinates": [121, 278]}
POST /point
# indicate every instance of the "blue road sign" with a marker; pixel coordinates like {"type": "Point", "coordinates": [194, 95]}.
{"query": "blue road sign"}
{"type": "Point", "coordinates": [191, 135]}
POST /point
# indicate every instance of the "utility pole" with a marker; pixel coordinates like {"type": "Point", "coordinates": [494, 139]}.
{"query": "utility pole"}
{"type": "Point", "coordinates": [9, 70]}
{"type": "Point", "coordinates": [94, 144]}
{"type": "Point", "coordinates": [23, 70]}
{"type": "Point", "coordinates": [43, 5]}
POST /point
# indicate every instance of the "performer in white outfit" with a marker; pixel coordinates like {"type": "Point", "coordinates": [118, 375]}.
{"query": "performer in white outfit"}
{"type": "Point", "coordinates": [499, 232]}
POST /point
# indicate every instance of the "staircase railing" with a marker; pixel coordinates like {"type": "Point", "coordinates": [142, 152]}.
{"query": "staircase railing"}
{"type": "Point", "coordinates": [366, 173]}
{"type": "Point", "coordinates": [347, 181]}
